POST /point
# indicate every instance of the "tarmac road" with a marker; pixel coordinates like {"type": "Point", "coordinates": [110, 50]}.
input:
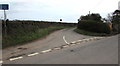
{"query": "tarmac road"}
{"type": "Point", "coordinates": [102, 51]}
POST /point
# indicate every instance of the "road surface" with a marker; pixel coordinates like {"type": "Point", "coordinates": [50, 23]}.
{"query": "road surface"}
{"type": "Point", "coordinates": [58, 49]}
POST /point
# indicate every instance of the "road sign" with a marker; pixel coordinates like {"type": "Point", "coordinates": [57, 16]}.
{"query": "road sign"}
{"type": "Point", "coordinates": [4, 7]}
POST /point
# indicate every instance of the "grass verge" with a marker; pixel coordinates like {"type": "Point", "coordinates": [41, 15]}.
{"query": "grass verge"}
{"type": "Point", "coordinates": [20, 38]}
{"type": "Point", "coordinates": [84, 32]}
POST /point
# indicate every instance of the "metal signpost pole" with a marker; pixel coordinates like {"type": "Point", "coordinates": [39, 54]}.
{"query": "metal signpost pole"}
{"type": "Point", "coordinates": [5, 23]}
{"type": "Point", "coordinates": [5, 17]}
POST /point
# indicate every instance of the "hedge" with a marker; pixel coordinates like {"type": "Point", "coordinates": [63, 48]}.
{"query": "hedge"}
{"type": "Point", "coordinates": [94, 26]}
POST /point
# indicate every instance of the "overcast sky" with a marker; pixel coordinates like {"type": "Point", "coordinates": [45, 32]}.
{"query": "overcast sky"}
{"type": "Point", "coordinates": [53, 10]}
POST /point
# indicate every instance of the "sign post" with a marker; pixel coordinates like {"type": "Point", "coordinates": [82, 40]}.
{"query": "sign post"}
{"type": "Point", "coordinates": [4, 7]}
{"type": "Point", "coordinates": [5, 18]}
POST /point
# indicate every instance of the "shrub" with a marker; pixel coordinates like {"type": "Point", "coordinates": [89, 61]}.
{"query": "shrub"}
{"type": "Point", "coordinates": [94, 26]}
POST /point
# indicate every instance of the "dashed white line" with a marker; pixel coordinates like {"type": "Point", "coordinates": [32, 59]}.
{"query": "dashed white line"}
{"type": "Point", "coordinates": [95, 38]}
{"type": "Point", "coordinates": [45, 51]}
{"type": "Point", "coordinates": [86, 40]}
{"type": "Point", "coordinates": [12, 59]}
{"type": "Point", "coordinates": [66, 46]}
{"type": "Point", "coordinates": [79, 41]}
{"type": "Point", "coordinates": [91, 39]}
{"type": "Point", "coordinates": [73, 44]}
{"type": "Point", "coordinates": [33, 54]}
{"type": "Point", "coordinates": [101, 37]}
{"type": "Point", "coordinates": [57, 48]}
{"type": "Point", "coordinates": [65, 40]}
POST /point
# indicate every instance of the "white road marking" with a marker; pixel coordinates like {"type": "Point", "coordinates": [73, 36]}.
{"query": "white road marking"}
{"type": "Point", "coordinates": [101, 37]}
{"type": "Point", "coordinates": [86, 40]}
{"type": "Point", "coordinates": [12, 59]}
{"type": "Point", "coordinates": [33, 54]}
{"type": "Point", "coordinates": [57, 48]}
{"type": "Point", "coordinates": [45, 51]}
{"type": "Point", "coordinates": [91, 39]}
{"type": "Point", "coordinates": [73, 44]}
{"type": "Point", "coordinates": [65, 40]}
{"type": "Point", "coordinates": [96, 38]}
{"type": "Point", "coordinates": [66, 46]}
{"type": "Point", "coordinates": [1, 62]}
{"type": "Point", "coordinates": [79, 41]}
